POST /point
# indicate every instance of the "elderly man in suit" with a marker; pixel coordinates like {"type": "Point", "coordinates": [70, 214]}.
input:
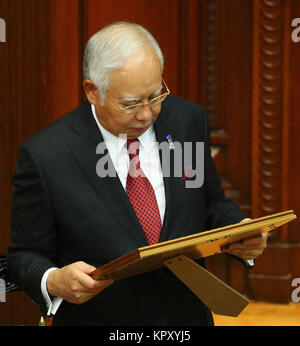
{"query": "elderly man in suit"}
{"type": "Point", "coordinates": [67, 219]}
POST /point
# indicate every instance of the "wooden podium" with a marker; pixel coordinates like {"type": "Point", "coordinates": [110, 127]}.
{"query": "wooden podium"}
{"type": "Point", "coordinates": [179, 254]}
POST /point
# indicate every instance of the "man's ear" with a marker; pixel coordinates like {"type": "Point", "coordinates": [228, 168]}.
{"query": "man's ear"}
{"type": "Point", "coordinates": [91, 91]}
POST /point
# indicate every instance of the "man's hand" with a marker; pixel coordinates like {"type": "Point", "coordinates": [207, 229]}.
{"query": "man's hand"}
{"type": "Point", "coordinates": [74, 284]}
{"type": "Point", "coordinates": [249, 248]}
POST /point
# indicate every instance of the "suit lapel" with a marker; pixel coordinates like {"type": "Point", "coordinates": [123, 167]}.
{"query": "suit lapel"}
{"type": "Point", "coordinates": [84, 137]}
{"type": "Point", "coordinates": [173, 185]}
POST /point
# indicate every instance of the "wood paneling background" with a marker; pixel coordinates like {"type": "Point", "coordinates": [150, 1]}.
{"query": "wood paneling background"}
{"type": "Point", "coordinates": [275, 143]}
{"type": "Point", "coordinates": [234, 57]}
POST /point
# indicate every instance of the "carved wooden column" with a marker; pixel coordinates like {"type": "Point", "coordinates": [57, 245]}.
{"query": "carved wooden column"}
{"type": "Point", "coordinates": [270, 143]}
{"type": "Point", "coordinates": [225, 91]}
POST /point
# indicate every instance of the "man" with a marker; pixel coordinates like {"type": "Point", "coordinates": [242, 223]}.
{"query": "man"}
{"type": "Point", "coordinates": [67, 219]}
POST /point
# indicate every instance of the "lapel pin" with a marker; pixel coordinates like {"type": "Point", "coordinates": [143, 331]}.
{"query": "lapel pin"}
{"type": "Point", "coordinates": [171, 144]}
{"type": "Point", "coordinates": [188, 173]}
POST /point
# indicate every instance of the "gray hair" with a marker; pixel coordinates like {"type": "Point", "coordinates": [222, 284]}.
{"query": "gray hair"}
{"type": "Point", "coordinates": [109, 49]}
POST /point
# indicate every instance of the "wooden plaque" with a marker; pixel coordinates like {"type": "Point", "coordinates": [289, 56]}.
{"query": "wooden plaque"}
{"type": "Point", "coordinates": [194, 246]}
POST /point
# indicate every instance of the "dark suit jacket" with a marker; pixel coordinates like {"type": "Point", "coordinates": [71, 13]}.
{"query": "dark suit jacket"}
{"type": "Point", "coordinates": [63, 212]}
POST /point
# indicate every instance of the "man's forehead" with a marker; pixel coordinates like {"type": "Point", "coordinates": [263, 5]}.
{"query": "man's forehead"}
{"type": "Point", "coordinates": [135, 87]}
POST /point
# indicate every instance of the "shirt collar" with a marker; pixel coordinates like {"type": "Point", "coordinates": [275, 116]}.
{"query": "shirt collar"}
{"type": "Point", "coordinates": [119, 142]}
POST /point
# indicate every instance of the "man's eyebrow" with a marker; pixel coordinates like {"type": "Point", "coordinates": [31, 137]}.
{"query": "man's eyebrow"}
{"type": "Point", "coordinates": [130, 99]}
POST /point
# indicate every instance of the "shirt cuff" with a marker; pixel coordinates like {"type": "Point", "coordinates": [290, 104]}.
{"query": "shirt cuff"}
{"type": "Point", "coordinates": [54, 304]}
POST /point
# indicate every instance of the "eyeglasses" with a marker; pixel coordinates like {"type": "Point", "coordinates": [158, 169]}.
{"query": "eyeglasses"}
{"type": "Point", "coordinates": [136, 107]}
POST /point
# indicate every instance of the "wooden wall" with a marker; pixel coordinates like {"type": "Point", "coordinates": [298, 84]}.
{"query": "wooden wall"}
{"type": "Point", "coordinates": [235, 57]}
{"type": "Point", "coordinates": [275, 143]}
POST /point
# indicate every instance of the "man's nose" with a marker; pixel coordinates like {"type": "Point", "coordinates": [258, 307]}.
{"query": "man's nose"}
{"type": "Point", "coordinates": [145, 113]}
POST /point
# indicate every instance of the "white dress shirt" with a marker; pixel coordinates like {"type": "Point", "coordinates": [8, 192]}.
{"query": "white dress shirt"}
{"type": "Point", "coordinates": [150, 164]}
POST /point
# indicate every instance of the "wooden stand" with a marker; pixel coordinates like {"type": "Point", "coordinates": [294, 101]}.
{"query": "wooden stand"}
{"type": "Point", "coordinates": [214, 293]}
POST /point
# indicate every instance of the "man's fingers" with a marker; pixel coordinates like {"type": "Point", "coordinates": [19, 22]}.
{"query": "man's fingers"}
{"type": "Point", "coordinates": [248, 248]}
{"type": "Point", "coordinates": [84, 287]}
{"type": "Point", "coordinates": [259, 242]}
{"type": "Point", "coordinates": [74, 283]}
{"type": "Point", "coordinates": [88, 283]}
{"type": "Point", "coordinates": [239, 246]}
{"type": "Point", "coordinates": [256, 240]}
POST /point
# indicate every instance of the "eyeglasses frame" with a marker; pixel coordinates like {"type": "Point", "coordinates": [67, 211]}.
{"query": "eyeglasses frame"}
{"type": "Point", "coordinates": [141, 104]}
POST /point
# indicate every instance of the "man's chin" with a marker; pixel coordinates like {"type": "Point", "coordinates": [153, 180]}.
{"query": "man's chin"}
{"type": "Point", "coordinates": [137, 131]}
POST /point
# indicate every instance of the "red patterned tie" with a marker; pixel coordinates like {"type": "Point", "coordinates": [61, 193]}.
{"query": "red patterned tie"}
{"type": "Point", "coordinates": [141, 195]}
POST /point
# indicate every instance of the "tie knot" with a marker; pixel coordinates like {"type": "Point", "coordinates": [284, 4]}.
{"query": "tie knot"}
{"type": "Point", "coordinates": [132, 140]}
{"type": "Point", "coordinates": [133, 146]}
